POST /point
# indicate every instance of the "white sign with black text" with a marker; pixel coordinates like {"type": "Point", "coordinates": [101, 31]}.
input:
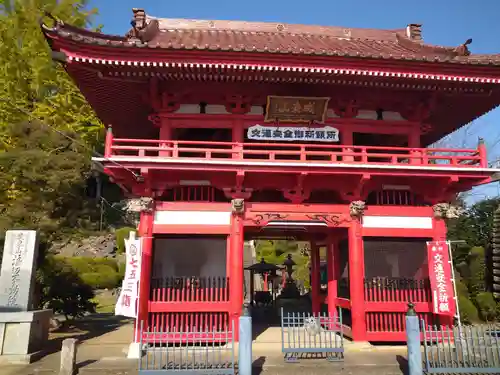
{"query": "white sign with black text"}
{"type": "Point", "coordinates": [292, 133]}
{"type": "Point", "coordinates": [126, 305]}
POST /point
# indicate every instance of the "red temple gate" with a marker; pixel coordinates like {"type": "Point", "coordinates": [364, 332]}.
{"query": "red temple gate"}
{"type": "Point", "coordinates": [227, 142]}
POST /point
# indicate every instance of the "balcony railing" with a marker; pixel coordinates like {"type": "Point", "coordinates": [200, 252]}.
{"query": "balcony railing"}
{"type": "Point", "coordinates": [296, 153]}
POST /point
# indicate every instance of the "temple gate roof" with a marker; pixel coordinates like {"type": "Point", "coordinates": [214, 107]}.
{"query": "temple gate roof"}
{"type": "Point", "coordinates": [277, 38]}
{"type": "Point", "coordinates": [208, 61]}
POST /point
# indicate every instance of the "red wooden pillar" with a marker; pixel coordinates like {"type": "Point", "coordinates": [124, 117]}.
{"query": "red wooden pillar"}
{"type": "Point", "coordinates": [332, 271]}
{"type": "Point", "coordinates": [108, 143]}
{"type": "Point", "coordinates": [356, 285]}
{"type": "Point", "coordinates": [414, 142]}
{"type": "Point", "coordinates": [481, 150]}
{"type": "Point", "coordinates": [146, 233]}
{"type": "Point", "coordinates": [238, 137]}
{"type": "Point", "coordinates": [315, 278]}
{"type": "Point", "coordinates": [348, 140]}
{"type": "Point", "coordinates": [165, 135]}
{"type": "Point", "coordinates": [236, 278]}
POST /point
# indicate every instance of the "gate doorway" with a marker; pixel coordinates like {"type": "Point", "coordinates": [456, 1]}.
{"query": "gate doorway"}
{"type": "Point", "coordinates": [296, 306]}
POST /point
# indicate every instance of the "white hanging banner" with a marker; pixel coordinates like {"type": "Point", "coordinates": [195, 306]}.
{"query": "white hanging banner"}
{"type": "Point", "coordinates": [126, 305]}
{"type": "Point", "coordinates": [292, 133]}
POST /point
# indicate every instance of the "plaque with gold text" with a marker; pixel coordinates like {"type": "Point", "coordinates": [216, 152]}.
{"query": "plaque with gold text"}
{"type": "Point", "coordinates": [296, 109]}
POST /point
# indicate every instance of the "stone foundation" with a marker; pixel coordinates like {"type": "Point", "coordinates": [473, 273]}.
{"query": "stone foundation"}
{"type": "Point", "coordinates": [23, 335]}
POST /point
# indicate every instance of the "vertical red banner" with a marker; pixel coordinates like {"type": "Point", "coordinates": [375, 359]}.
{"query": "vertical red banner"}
{"type": "Point", "coordinates": [440, 276]}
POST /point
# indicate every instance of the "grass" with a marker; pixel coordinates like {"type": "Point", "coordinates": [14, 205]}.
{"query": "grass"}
{"type": "Point", "coordinates": [105, 302]}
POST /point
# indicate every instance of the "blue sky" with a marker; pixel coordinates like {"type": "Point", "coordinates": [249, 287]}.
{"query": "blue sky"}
{"type": "Point", "coordinates": [445, 22]}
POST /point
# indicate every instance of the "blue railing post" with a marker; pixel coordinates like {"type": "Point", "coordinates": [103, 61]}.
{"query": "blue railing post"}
{"type": "Point", "coordinates": [413, 342]}
{"type": "Point", "coordinates": [245, 343]}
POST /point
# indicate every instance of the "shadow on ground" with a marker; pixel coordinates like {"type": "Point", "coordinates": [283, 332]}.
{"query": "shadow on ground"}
{"type": "Point", "coordinates": [84, 329]}
{"type": "Point", "coordinates": [403, 364]}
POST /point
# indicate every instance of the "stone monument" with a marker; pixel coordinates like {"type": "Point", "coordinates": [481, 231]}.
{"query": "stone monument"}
{"type": "Point", "coordinates": [23, 331]}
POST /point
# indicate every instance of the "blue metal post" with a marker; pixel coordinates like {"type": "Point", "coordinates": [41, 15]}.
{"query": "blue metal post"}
{"type": "Point", "coordinates": [245, 343]}
{"type": "Point", "coordinates": [413, 342]}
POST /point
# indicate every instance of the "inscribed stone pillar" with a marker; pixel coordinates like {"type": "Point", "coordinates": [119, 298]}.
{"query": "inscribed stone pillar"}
{"type": "Point", "coordinates": [17, 277]}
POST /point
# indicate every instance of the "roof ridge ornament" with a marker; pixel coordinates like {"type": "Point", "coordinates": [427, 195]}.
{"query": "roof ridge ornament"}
{"type": "Point", "coordinates": [143, 29]}
{"type": "Point", "coordinates": [463, 50]}
{"type": "Point", "coordinates": [414, 32]}
{"type": "Point", "coordinates": [58, 23]}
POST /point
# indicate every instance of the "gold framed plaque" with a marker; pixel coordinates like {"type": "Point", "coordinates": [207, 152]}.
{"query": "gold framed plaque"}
{"type": "Point", "coordinates": [296, 109]}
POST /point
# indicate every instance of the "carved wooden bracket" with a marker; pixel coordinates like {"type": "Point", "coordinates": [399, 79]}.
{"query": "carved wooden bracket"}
{"type": "Point", "coordinates": [238, 193]}
{"type": "Point", "coordinates": [238, 104]}
{"type": "Point", "coordinates": [348, 109]}
{"type": "Point", "coordinates": [161, 100]}
{"type": "Point", "coordinates": [296, 196]}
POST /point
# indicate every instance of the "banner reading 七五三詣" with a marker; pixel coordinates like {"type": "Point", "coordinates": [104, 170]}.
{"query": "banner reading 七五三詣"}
{"type": "Point", "coordinates": [126, 305]}
{"type": "Point", "coordinates": [443, 296]}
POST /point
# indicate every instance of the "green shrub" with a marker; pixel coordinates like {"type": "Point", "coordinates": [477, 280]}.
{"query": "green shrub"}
{"type": "Point", "coordinates": [85, 265]}
{"type": "Point", "coordinates": [101, 280]}
{"type": "Point", "coordinates": [468, 312]}
{"type": "Point", "coordinates": [461, 288]}
{"type": "Point", "coordinates": [487, 306]}
{"type": "Point", "coordinates": [120, 236]}
{"type": "Point", "coordinates": [121, 269]}
{"type": "Point", "coordinates": [80, 264]}
{"type": "Point", "coordinates": [104, 262]}
{"type": "Point", "coordinates": [477, 269]}
{"type": "Point", "coordinates": [62, 290]}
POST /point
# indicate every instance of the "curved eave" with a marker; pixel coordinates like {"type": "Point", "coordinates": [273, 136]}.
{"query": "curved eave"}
{"type": "Point", "coordinates": [138, 52]}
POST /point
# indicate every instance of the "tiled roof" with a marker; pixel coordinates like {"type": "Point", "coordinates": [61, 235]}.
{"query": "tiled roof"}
{"type": "Point", "coordinates": [276, 38]}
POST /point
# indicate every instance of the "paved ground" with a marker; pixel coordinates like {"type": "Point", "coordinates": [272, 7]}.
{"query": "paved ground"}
{"type": "Point", "coordinates": [104, 340]}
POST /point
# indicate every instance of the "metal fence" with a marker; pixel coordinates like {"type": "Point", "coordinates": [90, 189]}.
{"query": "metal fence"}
{"type": "Point", "coordinates": [312, 336]}
{"type": "Point", "coordinates": [461, 350]}
{"type": "Point", "coordinates": [202, 352]}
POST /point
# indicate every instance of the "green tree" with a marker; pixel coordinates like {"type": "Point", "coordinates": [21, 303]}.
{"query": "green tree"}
{"type": "Point", "coordinates": [475, 226]}
{"type": "Point", "coordinates": [276, 251]}
{"type": "Point", "coordinates": [62, 290]}
{"type": "Point", "coordinates": [476, 279]}
{"type": "Point", "coordinates": [42, 174]}
{"type": "Point", "coordinates": [42, 183]}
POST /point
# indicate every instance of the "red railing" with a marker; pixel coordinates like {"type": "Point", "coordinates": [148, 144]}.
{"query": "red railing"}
{"type": "Point", "coordinates": [283, 153]}
{"type": "Point", "coordinates": [188, 321]}
{"type": "Point", "coordinates": [190, 289]}
{"type": "Point", "coordinates": [388, 289]}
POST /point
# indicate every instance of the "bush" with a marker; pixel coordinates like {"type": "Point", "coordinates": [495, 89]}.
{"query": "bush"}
{"type": "Point", "coordinates": [477, 269]}
{"type": "Point", "coordinates": [120, 236]}
{"type": "Point", "coordinates": [468, 312]}
{"type": "Point", "coordinates": [121, 270]}
{"type": "Point", "coordinates": [99, 273]}
{"type": "Point", "coordinates": [487, 306]}
{"type": "Point", "coordinates": [85, 265]}
{"type": "Point", "coordinates": [62, 290]}
{"type": "Point", "coordinates": [461, 288]}
{"type": "Point", "coordinates": [101, 280]}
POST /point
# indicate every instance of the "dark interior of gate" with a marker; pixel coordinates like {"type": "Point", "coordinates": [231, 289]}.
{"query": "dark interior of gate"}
{"type": "Point", "coordinates": [191, 278]}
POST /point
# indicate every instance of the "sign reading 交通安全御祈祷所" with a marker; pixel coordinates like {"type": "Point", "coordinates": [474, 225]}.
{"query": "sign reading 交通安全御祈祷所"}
{"type": "Point", "coordinates": [284, 133]}
{"type": "Point", "coordinates": [443, 296]}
